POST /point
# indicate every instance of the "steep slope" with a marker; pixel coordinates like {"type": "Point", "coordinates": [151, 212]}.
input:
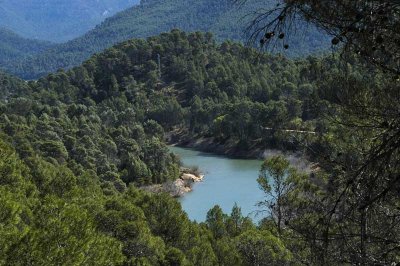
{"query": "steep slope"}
{"type": "Point", "coordinates": [59, 20]}
{"type": "Point", "coordinates": [13, 46]}
{"type": "Point", "coordinates": [151, 17]}
{"type": "Point", "coordinates": [109, 115]}
{"type": "Point", "coordinates": [11, 86]}
{"type": "Point", "coordinates": [72, 140]}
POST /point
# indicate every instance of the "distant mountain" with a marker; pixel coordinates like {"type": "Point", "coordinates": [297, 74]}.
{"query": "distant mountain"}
{"type": "Point", "coordinates": [57, 20]}
{"type": "Point", "coordinates": [13, 47]}
{"type": "Point", "coordinates": [151, 17]}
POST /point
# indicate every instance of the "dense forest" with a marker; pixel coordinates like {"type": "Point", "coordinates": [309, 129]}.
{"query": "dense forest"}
{"type": "Point", "coordinates": [57, 21]}
{"type": "Point", "coordinates": [14, 47]}
{"type": "Point", "coordinates": [110, 114]}
{"type": "Point", "coordinates": [77, 145]}
{"type": "Point", "coordinates": [151, 17]}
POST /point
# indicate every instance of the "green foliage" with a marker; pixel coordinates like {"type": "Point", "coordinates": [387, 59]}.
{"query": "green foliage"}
{"type": "Point", "coordinates": [79, 222]}
{"type": "Point", "coordinates": [76, 144]}
{"type": "Point", "coordinates": [222, 18]}
{"type": "Point", "coordinates": [278, 179]}
{"type": "Point", "coordinates": [105, 116]}
{"type": "Point", "coordinates": [14, 47]}
{"type": "Point", "coordinates": [216, 222]}
{"type": "Point", "coordinates": [45, 230]}
{"type": "Point", "coordinates": [262, 248]}
{"type": "Point", "coordinates": [276, 168]}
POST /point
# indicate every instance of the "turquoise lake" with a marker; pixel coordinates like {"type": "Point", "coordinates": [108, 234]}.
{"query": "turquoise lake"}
{"type": "Point", "coordinates": [226, 181]}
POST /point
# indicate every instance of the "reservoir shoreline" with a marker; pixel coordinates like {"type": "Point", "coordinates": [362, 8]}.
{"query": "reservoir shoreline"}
{"type": "Point", "coordinates": [227, 181]}
{"type": "Point", "coordinates": [216, 162]}
{"type": "Point", "coordinates": [230, 149]}
{"type": "Point", "coordinates": [179, 187]}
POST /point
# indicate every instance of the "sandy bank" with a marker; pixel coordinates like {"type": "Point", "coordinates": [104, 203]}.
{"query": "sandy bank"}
{"type": "Point", "coordinates": [178, 187]}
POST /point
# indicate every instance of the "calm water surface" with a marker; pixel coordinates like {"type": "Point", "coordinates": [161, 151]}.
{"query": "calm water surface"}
{"type": "Point", "coordinates": [226, 181]}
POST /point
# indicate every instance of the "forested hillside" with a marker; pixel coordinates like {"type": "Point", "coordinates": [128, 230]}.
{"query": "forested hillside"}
{"type": "Point", "coordinates": [57, 21]}
{"type": "Point", "coordinates": [14, 47]}
{"type": "Point", "coordinates": [76, 145]}
{"type": "Point", "coordinates": [84, 156]}
{"type": "Point", "coordinates": [223, 18]}
{"type": "Point", "coordinates": [109, 115]}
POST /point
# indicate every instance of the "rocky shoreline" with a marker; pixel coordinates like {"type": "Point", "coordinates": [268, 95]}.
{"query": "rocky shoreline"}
{"type": "Point", "coordinates": [181, 138]}
{"type": "Point", "coordinates": [230, 149]}
{"type": "Point", "coordinates": [184, 184]}
{"type": "Point", "coordinates": [178, 187]}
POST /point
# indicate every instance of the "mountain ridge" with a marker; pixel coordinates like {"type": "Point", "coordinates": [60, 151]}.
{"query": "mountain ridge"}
{"type": "Point", "coordinates": [13, 46]}
{"type": "Point", "coordinates": [153, 17]}
{"type": "Point", "coordinates": [57, 21]}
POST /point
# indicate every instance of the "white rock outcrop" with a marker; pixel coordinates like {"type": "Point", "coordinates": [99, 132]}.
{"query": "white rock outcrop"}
{"type": "Point", "coordinates": [176, 188]}
{"type": "Point", "coordinates": [192, 177]}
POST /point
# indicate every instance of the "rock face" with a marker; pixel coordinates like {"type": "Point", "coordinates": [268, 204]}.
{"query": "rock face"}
{"type": "Point", "coordinates": [176, 188]}
{"type": "Point", "coordinates": [192, 177]}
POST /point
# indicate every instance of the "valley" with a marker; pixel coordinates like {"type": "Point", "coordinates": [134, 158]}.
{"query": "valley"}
{"type": "Point", "coordinates": [165, 136]}
{"type": "Point", "coordinates": [224, 19]}
{"type": "Point", "coordinates": [57, 21]}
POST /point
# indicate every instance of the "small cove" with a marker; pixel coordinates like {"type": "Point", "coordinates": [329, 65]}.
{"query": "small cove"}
{"type": "Point", "coordinates": [226, 181]}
